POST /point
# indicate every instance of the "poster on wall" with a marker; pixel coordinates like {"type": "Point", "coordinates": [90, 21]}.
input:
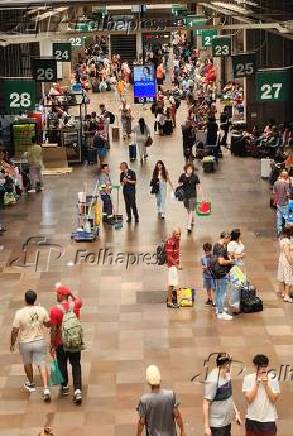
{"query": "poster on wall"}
{"type": "Point", "coordinates": [145, 88]}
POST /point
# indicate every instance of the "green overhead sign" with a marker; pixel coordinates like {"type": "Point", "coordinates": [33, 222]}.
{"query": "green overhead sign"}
{"type": "Point", "coordinates": [221, 46]}
{"type": "Point", "coordinates": [207, 37]}
{"type": "Point", "coordinates": [62, 51]}
{"type": "Point", "coordinates": [19, 95]}
{"type": "Point", "coordinates": [272, 85]}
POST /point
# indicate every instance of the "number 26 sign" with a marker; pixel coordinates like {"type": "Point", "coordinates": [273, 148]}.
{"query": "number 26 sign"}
{"type": "Point", "coordinates": [19, 95]}
{"type": "Point", "coordinates": [272, 85]}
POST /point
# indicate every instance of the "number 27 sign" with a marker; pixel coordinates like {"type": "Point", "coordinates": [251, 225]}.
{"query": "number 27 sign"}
{"type": "Point", "coordinates": [19, 95]}
{"type": "Point", "coordinates": [272, 85]}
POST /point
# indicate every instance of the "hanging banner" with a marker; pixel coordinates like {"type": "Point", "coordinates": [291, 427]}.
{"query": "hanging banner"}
{"type": "Point", "coordinates": [272, 85]}
{"type": "Point", "coordinates": [244, 65]}
{"type": "Point", "coordinates": [19, 96]}
{"type": "Point", "coordinates": [207, 37]}
{"type": "Point", "coordinates": [62, 51]}
{"type": "Point", "coordinates": [44, 69]}
{"type": "Point", "coordinates": [221, 46]}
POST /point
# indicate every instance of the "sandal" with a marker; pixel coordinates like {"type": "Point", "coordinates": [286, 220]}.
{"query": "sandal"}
{"type": "Point", "coordinates": [288, 300]}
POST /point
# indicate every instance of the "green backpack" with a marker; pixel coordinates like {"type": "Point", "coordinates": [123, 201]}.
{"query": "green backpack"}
{"type": "Point", "coordinates": [71, 331]}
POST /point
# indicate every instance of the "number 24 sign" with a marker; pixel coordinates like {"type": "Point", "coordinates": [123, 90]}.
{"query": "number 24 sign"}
{"type": "Point", "coordinates": [272, 85]}
{"type": "Point", "coordinates": [19, 95]}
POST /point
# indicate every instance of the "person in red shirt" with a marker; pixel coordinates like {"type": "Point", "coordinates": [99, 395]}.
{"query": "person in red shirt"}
{"type": "Point", "coordinates": [66, 300]}
{"type": "Point", "coordinates": [172, 252]}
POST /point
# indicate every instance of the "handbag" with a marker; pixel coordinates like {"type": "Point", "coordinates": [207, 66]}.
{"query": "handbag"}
{"type": "Point", "coordinates": [148, 142]}
{"type": "Point", "coordinates": [179, 193]}
{"type": "Point", "coordinates": [56, 377]}
{"type": "Point", "coordinates": [155, 187]}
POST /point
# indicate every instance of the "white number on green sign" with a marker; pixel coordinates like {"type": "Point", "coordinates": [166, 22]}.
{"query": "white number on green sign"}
{"type": "Point", "coordinates": [20, 100]}
{"type": "Point", "coordinates": [271, 92]}
{"type": "Point", "coordinates": [62, 54]}
{"type": "Point", "coordinates": [75, 41]}
{"type": "Point", "coordinates": [45, 74]}
{"type": "Point", "coordinates": [222, 49]}
{"type": "Point", "coordinates": [243, 69]}
{"type": "Point", "coordinates": [208, 40]}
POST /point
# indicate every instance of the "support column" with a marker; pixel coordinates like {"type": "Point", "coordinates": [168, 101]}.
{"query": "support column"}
{"type": "Point", "coordinates": [139, 46]}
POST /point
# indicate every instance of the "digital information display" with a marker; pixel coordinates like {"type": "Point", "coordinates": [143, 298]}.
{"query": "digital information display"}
{"type": "Point", "coordinates": [145, 87]}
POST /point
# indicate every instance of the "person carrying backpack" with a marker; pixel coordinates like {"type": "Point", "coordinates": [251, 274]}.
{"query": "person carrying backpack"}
{"type": "Point", "coordinates": [66, 338]}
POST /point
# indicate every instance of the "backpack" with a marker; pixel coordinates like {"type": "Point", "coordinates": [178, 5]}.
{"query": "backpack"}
{"type": "Point", "coordinates": [161, 254]}
{"type": "Point", "coordinates": [112, 118]}
{"type": "Point", "coordinates": [71, 331]}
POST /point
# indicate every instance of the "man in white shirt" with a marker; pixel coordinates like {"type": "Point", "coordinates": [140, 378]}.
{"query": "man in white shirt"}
{"type": "Point", "coordinates": [261, 392]}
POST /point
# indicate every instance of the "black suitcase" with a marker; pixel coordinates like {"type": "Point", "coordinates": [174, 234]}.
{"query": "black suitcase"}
{"type": "Point", "coordinates": [208, 167]}
{"type": "Point", "coordinates": [132, 152]}
{"type": "Point", "coordinates": [168, 127]}
{"type": "Point", "coordinates": [92, 156]}
{"type": "Point", "coordinates": [251, 305]}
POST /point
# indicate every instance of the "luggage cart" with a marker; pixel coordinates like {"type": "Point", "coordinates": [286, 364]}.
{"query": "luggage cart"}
{"type": "Point", "coordinates": [88, 217]}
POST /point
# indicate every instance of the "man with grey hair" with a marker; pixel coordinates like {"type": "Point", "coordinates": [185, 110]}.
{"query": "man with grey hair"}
{"type": "Point", "coordinates": [158, 410]}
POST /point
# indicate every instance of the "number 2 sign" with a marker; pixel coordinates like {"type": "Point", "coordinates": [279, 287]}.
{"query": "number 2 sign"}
{"type": "Point", "coordinates": [19, 95]}
{"type": "Point", "coordinates": [272, 85]}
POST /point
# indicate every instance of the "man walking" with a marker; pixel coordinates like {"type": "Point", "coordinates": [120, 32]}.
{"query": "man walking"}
{"type": "Point", "coordinates": [220, 271]}
{"type": "Point", "coordinates": [261, 391]}
{"type": "Point", "coordinates": [28, 326]}
{"type": "Point", "coordinates": [158, 410]}
{"type": "Point", "coordinates": [68, 307]}
{"type": "Point", "coordinates": [281, 197]}
{"type": "Point", "coordinates": [172, 253]}
{"type": "Point", "coordinates": [219, 409]}
{"type": "Point", "coordinates": [128, 181]}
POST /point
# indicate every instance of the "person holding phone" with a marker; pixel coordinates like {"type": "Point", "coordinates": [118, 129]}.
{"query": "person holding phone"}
{"type": "Point", "coordinates": [219, 408]}
{"type": "Point", "coordinates": [262, 391]}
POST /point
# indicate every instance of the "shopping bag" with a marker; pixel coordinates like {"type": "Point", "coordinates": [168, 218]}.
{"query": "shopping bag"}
{"type": "Point", "coordinates": [203, 208]}
{"type": "Point", "coordinates": [237, 277]}
{"type": "Point", "coordinates": [185, 297]}
{"type": "Point", "coordinates": [56, 377]}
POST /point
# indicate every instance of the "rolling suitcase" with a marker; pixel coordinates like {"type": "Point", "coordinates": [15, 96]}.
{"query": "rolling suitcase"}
{"type": "Point", "coordinates": [265, 168]}
{"type": "Point", "coordinates": [115, 134]}
{"type": "Point", "coordinates": [235, 138]}
{"type": "Point", "coordinates": [168, 127]}
{"type": "Point", "coordinates": [91, 156]}
{"type": "Point", "coordinates": [132, 152]}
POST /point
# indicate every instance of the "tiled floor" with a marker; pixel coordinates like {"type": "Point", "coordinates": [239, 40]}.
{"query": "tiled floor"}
{"type": "Point", "coordinates": [126, 325]}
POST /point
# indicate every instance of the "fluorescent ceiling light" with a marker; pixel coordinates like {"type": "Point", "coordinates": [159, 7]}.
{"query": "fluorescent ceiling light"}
{"type": "Point", "coordinates": [234, 8]}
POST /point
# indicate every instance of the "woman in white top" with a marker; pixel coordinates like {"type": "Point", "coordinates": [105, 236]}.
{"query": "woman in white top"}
{"type": "Point", "coordinates": [285, 268]}
{"type": "Point", "coordinates": [236, 248]}
{"type": "Point", "coordinates": [159, 186]}
{"type": "Point", "coordinates": [142, 133]}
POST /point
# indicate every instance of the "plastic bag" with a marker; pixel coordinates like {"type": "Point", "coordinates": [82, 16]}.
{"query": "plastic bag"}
{"type": "Point", "coordinates": [203, 208]}
{"type": "Point", "coordinates": [56, 377]}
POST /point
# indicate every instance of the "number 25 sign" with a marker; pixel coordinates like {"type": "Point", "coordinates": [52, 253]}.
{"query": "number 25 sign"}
{"type": "Point", "coordinates": [19, 95]}
{"type": "Point", "coordinates": [272, 85]}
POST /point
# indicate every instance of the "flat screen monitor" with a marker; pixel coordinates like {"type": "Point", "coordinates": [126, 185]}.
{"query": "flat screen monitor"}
{"type": "Point", "coordinates": [145, 86]}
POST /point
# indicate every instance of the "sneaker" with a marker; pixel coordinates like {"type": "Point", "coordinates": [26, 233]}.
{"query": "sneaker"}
{"type": "Point", "coordinates": [47, 395]}
{"type": "Point", "coordinates": [172, 306]}
{"type": "Point", "coordinates": [214, 304]}
{"type": "Point", "coordinates": [209, 302]}
{"type": "Point", "coordinates": [220, 315]}
{"type": "Point", "coordinates": [162, 216]}
{"type": "Point", "coordinates": [77, 397]}
{"type": "Point", "coordinates": [128, 220]}
{"type": "Point", "coordinates": [31, 190]}
{"type": "Point", "coordinates": [189, 231]}
{"type": "Point", "coordinates": [64, 391]}
{"type": "Point", "coordinates": [136, 220]}
{"type": "Point", "coordinates": [31, 387]}
{"type": "Point", "coordinates": [226, 317]}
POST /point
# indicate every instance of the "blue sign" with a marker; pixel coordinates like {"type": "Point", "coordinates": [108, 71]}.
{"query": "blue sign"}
{"type": "Point", "coordinates": [145, 88]}
{"type": "Point", "coordinates": [290, 212]}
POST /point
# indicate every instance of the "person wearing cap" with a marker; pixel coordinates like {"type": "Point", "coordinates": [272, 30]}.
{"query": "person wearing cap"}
{"type": "Point", "coordinates": [66, 301]}
{"type": "Point", "coordinates": [158, 410]}
{"type": "Point", "coordinates": [219, 409]}
{"type": "Point", "coordinates": [28, 327]}
{"type": "Point", "coordinates": [222, 265]}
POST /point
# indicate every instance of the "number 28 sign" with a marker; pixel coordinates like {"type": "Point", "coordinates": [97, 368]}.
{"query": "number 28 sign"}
{"type": "Point", "coordinates": [272, 85]}
{"type": "Point", "coordinates": [19, 95]}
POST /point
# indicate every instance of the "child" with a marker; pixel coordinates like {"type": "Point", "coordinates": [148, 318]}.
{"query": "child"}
{"type": "Point", "coordinates": [208, 280]}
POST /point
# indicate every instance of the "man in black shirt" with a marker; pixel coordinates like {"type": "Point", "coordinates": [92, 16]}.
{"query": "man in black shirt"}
{"type": "Point", "coordinates": [221, 270]}
{"type": "Point", "coordinates": [128, 181]}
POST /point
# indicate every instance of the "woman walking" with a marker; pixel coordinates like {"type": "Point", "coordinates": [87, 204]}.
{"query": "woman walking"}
{"type": "Point", "coordinates": [125, 119]}
{"type": "Point", "coordinates": [285, 273]}
{"type": "Point", "coordinates": [189, 181]}
{"type": "Point", "coordinates": [159, 186]}
{"type": "Point", "coordinates": [142, 133]}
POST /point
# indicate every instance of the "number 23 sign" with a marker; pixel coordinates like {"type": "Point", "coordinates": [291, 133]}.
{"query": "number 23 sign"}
{"type": "Point", "coordinates": [272, 85]}
{"type": "Point", "coordinates": [19, 95]}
